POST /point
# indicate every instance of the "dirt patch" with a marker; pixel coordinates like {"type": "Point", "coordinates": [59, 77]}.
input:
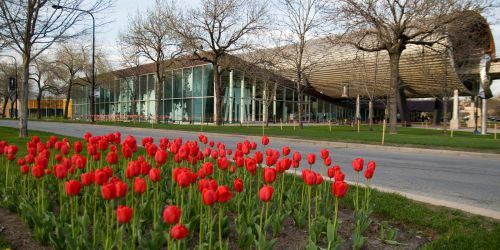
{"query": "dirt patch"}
{"type": "Point", "coordinates": [14, 231]}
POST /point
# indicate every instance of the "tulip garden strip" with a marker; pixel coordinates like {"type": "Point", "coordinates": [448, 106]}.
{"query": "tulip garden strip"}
{"type": "Point", "coordinates": [108, 192]}
{"type": "Point", "coordinates": [411, 137]}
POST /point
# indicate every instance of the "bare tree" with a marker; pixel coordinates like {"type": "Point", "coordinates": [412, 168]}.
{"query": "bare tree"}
{"type": "Point", "coordinates": [302, 20]}
{"type": "Point", "coordinates": [68, 66]}
{"type": "Point", "coordinates": [219, 28]}
{"type": "Point", "coordinates": [33, 26]}
{"type": "Point", "coordinates": [44, 78]}
{"type": "Point", "coordinates": [392, 25]}
{"type": "Point", "coordinates": [151, 36]}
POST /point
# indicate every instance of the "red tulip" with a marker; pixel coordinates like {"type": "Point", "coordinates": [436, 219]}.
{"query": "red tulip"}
{"type": "Point", "coordinates": [269, 175]}
{"type": "Point", "coordinates": [224, 194]}
{"type": "Point", "coordinates": [339, 189]}
{"type": "Point", "coordinates": [179, 232]}
{"type": "Point", "coordinates": [309, 177]}
{"type": "Point", "coordinates": [100, 177]}
{"type": "Point", "coordinates": [161, 157]}
{"type": "Point", "coordinates": [154, 174]}
{"type": "Point", "coordinates": [21, 161]}
{"type": "Point", "coordinates": [72, 187]}
{"type": "Point", "coordinates": [60, 171]}
{"type": "Point", "coordinates": [24, 169]}
{"type": "Point", "coordinates": [285, 151]}
{"type": "Point", "coordinates": [370, 169]}
{"type": "Point", "coordinates": [311, 158]}
{"type": "Point", "coordinates": [37, 171]}
{"type": "Point", "coordinates": [266, 193]}
{"type": "Point", "coordinates": [171, 214]}
{"type": "Point", "coordinates": [121, 189]}
{"type": "Point", "coordinates": [324, 153]}
{"type": "Point", "coordinates": [140, 185]}
{"type": "Point", "coordinates": [258, 157]}
{"type": "Point", "coordinates": [330, 172]}
{"type": "Point", "coordinates": [265, 140]}
{"type": "Point", "coordinates": [251, 165]}
{"type": "Point", "coordinates": [112, 158]}
{"type": "Point", "coordinates": [339, 176]}
{"type": "Point", "coordinates": [124, 214]}
{"type": "Point", "coordinates": [296, 156]}
{"type": "Point", "coordinates": [357, 164]}
{"type": "Point", "coordinates": [108, 191]}
{"type": "Point", "coordinates": [65, 149]}
{"type": "Point", "coordinates": [209, 196]}
{"type": "Point", "coordinates": [328, 161]}
{"type": "Point", "coordinates": [78, 147]}
{"type": "Point", "coordinates": [238, 185]}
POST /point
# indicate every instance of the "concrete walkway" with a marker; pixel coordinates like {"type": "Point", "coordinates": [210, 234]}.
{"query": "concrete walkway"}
{"type": "Point", "coordinates": [467, 181]}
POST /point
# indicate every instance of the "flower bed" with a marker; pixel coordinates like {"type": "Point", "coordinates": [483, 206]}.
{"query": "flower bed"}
{"type": "Point", "coordinates": [105, 192]}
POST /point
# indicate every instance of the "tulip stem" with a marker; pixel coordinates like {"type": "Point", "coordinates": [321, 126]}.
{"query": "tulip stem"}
{"type": "Point", "coordinates": [335, 218]}
{"type": "Point", "coordinates": [201, 226]}
{"type": "Point", "coordinates": [211, 221]}
{"type": "Point", "coordinates": [261, 216]}
{"type": "Point", "coordinates": [356, 204]}
{"type": "Point", "coordinates": [220, 226]}
{"type": "Point", "coordinates": [309, 206]}
{"type": "Point", "coordinates": [155, 205]}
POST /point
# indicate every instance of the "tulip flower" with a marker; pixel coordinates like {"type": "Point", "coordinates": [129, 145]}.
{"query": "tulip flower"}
{"type": "Point", "coordinates": [179, 232]}
{"type": "Point", "coordinates": [339, 188]}
{"type": "Point", "coordinates": [140, 185]}
{"type": "Point", "coordinates": [209, 196]}
{"type": "Point", "coordinates": [161, 157]}
{"type": "Point", "coordinates": [265, 140]}
{"type": "Point", "coordinates": [121, 189]}
{"type": "Point", "coordinates": [324, 153]}
{"type": "Point", "coordinates": [60, 171]}
{"type": "Point", "coordinates": [311, 158]}
{"type": "Point", "coordinates": [124, 214]}
{"type": "Point", "coordinates": [73, 187]}
{"type": "Point", "coordinates": [269, 175]}
{"type": "Point", "coordinates": [108, 191]}
{"type": "Point", "coordinates": [154, 174]}
{"type": "Point", "coordinates": [266, 193]}
{"type": "Point", "coordinates": [285, 150]}
{"type": "Point", "coordinates": [224, 194]}
{"type": "Point", "coordinates": [238, 185]}
{"type": "Point", "coordinates": [370, 169]}
{"type": "Point", "coordinates": [357, 164]}
{"type": "Point", "coordinates": [171, 214]}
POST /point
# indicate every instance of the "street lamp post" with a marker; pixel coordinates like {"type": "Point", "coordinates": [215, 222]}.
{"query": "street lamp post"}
{"type": "Point", "coordinates": [92, 94]}
{"type": "Point", "coordinates": [15, 65]}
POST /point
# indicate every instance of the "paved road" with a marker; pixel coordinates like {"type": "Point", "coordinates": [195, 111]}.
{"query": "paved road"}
{"type": "Point", "coordinates": [463, 180]}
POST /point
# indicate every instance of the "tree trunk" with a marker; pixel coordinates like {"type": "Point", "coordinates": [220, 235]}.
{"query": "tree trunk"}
{"type": "Point", "coordinates": [135, 86]}
{"type": "Point", "coordinates": [23, 104]}
{"type": "Point", "coordinates": [4, 106]}
{"type": "Point", "coordinates": [393, 111]}
{"type": "Point", "coordinates": [39, 105]}
{"type": "Point", "coordinates": [299, 108]}
{"type": "Point", "coordinates": [402, 105]}
{"type": "Point", "coordinates": [370, 114]}
{"type": "Point", "coordinates": [68, 97]}
{"type": "Point", "coordinates": [217, 94]}
{"type": "Point", "coordinates": [12, 103]}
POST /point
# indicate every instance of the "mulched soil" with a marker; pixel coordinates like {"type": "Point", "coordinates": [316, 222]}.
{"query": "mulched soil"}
{"type": "Point", "coordinates": [16, 232]}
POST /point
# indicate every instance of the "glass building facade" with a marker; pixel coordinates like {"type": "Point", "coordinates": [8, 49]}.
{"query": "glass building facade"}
{"type": "Point", "coordinates": [188, 97]}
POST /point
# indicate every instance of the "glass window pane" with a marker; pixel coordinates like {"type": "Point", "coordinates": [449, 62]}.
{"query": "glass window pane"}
{"type": "Point", "coordinates": [197, 82]}
{"type": "Point", "coordinates": [188, 82]}
{"type": "Point", "coordinates": [167, 85]}
{"type": "Point", "coordinates": [177, 84]}
{"type": "Point", "coordinates": [143, 86]}
{"type": "Point", "coordinates": [208, 80]}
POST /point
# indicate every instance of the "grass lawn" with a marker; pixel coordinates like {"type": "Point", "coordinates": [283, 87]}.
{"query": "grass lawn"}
{"type": "Point", "coordinates": [413, 137]}
{"type": "Point", "coordinates": [450, 229]}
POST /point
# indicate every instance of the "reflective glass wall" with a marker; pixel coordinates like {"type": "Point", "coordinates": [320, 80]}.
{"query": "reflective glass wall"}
{"type": "Point", "coordinates": [188, 97]}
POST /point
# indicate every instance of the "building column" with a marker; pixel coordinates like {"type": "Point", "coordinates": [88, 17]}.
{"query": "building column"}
{"type": "Point", "coordinates": [454, 122]}
{"type": "Point", "coordinates": [264, 103]}
{"type": "Point", "coordinates": [253, 99]}
{"type": "Point", "coordinates": [242, 99]}
{"type": "Point", "coordinates": [231, 96]}
{"type": "Point", "coordinates": [274, 102]}
{"type": "Point", "coordinates": [484, 116]}
{"type": "Point", "coordinates": [358, 108]}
